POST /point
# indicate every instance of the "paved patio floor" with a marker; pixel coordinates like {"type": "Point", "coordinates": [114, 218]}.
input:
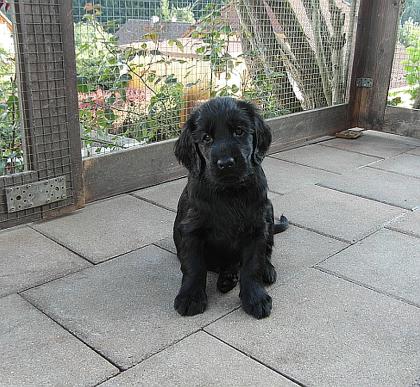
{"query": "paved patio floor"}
{"type": "Point", "coordinates": [86, 299]}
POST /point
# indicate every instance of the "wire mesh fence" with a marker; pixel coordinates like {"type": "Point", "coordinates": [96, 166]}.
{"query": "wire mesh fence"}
{"type": "Point", "coordinates": [34, 103]}
{"type": "Point", "coordinates": [143, 66]}
{"type": "Point", "coordinates": [404, 89]}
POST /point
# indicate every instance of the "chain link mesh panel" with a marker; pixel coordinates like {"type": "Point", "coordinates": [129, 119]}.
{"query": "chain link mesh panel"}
{"type": "Point", "coordinates": [143, 66]}
{"type": "Point", "coordinates": [41, 122]}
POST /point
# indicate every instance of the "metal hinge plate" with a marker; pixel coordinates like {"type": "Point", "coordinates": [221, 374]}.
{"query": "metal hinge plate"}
{"type": "Point", "coordinates": [364, 82]}
{"type": "Point", "coordinates": [36, 194]}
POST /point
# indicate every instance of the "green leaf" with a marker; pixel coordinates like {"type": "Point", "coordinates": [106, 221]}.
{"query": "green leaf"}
{"type": "Point", "coordinates": [153, 36]}
{"type": "Point", "coordinates": [179, 45]}
{"type": "Point", "coordinates": [151, 77]}
{"type": "Point", "coordinates": [200, 50]}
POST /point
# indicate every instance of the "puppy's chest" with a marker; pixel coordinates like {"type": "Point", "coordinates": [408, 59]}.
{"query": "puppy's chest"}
{"type": "Point", "coordinates": [234, 221]}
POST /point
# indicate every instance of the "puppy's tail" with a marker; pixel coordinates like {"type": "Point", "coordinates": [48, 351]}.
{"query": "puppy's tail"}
{"type": "Point", "coordinates": [281, 224]}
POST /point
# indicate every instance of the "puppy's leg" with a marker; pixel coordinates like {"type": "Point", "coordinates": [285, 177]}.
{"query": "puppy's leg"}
{"type": "Point", "coordinates": [192, 298]}
{"type": "Point", "coordinates": [228, 277]}
{"type": "Point", "coordinates": [255, 299]}
{"type": "Point", "coordinates": [269, 275]}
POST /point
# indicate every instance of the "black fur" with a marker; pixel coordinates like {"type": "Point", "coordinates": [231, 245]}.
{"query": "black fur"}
{"type": "Point", "coordinates": [225, 221]}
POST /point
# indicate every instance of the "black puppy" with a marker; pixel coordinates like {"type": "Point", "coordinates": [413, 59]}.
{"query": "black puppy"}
{"type": "Point", "coordinates": [225, 221]}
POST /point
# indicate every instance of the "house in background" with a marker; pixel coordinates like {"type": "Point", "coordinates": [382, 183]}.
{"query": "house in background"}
{"type": "Point", "coordinates": [6, 33]}
{"type": "Point", "coordinates": [134, 30]}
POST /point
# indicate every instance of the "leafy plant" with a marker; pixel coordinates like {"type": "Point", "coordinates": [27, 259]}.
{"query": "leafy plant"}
{"type": "Point", "coordinates": [170, 12]}
{"type": "Point", "coordinates": [409, 32]}
{"type": "Point", "coordinates": [10, 133]}
{"type": "Point", "coordinates": [412, 66]}
{"type": "Point", "coordinates": [161, 120]}
{"type": "Point", "coordinates": [99, 63]}
{"type": "Point", "coordinates": [107, 106]}
{"type": "Point", "coordinates": [216, 35]}
{"type": "Point", "coordinates": [260, 90]}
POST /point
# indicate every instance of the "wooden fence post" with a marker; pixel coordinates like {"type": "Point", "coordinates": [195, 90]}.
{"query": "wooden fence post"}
{"type": "Point", "coordinates": [376, 37]}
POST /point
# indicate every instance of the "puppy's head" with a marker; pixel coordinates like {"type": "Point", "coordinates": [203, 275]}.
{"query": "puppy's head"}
{"type": "Point", "coordinates": [223, 139]}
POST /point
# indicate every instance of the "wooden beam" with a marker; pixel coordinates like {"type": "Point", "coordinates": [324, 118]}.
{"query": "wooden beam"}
{"type": "Point", "coordinates": [376, 37]}
{"type": "Point", "coordinates": [73, 122]}
{"type": "Point", "coordinates": [136, 168]}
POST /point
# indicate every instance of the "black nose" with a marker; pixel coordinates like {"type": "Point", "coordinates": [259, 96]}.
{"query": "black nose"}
{"type": "Point", "coordinates": [226, 162]}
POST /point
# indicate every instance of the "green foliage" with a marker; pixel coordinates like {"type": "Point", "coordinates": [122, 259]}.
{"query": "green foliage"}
{"type": "Point", "coordinates": [10, 133]}
{"type": "Point", "coordinates": [409, 33]}
{"type": "Point", "coordinates": [412, 65]}
{"type": "Point", "coordinates": [160, 121]}
{"type": "Point", "coordinates": [215, 34]}
{"type": "Point", "coordinates": [170, 12]}
{"type": "Point", "coordinates": [260, 91]}
{"type": "Point", "coordinates": [103, 68]}
{"type": "Point", "coordinates": [99, 62]}
{"type": "Point", "coordinates": [411, 10]}
{"type": "Point", "coordinates": [103, 74]}
{"type": "Point", "coordinates": [394, 101]}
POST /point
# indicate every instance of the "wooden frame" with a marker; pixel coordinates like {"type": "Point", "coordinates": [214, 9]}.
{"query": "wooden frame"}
{"type": "Point", "coordinates": [48, 105]}
{"type": "Point", "coordinates": [119, 172]}
{"type": "Point", "coordinates": [402, 121]}
{"type": "Point", "coordinates": [140, 167]}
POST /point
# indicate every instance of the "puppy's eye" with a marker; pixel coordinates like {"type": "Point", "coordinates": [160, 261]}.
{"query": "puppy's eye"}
{"type": "Point", "coordinates": [207, 138]}
{"type": "Point", "coordinates": [238, 132]}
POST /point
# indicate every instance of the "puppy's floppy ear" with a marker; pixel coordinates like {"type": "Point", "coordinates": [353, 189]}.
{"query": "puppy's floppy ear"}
{"type": "Point", "coordinates": [262, 132]}
{"type": "Point", "coordinates": [186, 150]}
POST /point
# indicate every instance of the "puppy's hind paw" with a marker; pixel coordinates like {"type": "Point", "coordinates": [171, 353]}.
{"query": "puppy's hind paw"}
{"type": "Point", "coordinates": [227, 281]}
{"type": "Point", "coordinates": [190, 304]}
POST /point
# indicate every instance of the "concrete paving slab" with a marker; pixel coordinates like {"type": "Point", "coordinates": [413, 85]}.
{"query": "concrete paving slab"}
{"type": "Point", "coordinates": [294, 250]}
{"type": "Point", "coordinates": [406, 164]}
{"type": "Point", "coordinates": [35, 351]}
{"type": "Point", "coordinates": [199, 360]}
{"type": "Point", "coordinates": [409, 224]}
{"type": "Point", "coordinates": [111, 227]}
{"type": "Point", "coordinates": [285, 177]}
{"type": "Point", "coordinates": [167, 244]}
{"type": "Point", "coordinates": [327, 158]}
{"type": "Point", "coordinates": [27, 259]}
{"type": "Point", "coordinates": [272, 195]}
{"type": "Point", "coordinates": [415, 151]}
{"type": "Point", "coordinates": [165, 195]}
{"type": "Point", "coordinates": [387, 260]}
{"type": "Point", "coordinates": [124, 307]}
{"type": "Point", "coordinates": [372, 144]}
{"type": "Point", "coordinates": [334, 213]}
{"type": "Point", "coordinates": [324, 331]}
{"type": "Point", "coordinates": [297, 249]}
{"type": "Point", "coordinates": [395, 137]}
{"type": "Point", "coordinates": [375, 184]}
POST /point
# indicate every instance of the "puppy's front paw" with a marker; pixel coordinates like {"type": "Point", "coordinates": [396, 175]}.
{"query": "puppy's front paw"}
{"type": "Point", "coordinates": [257, 303]}
{"type": "Point", "coordinates": [191, 303]}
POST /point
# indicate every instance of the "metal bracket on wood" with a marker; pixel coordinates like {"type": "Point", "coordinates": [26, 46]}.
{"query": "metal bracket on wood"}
{"type": "Point", "coordinates": [36, 194]}
{"type": "Point", "coordinates": [364, 82]}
